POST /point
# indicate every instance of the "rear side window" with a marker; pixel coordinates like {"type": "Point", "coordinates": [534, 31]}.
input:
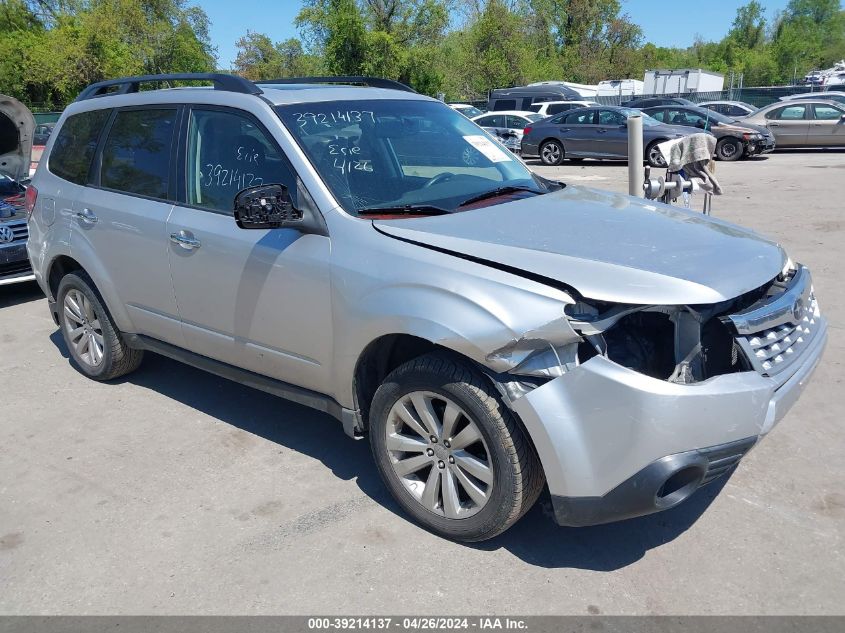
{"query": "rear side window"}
{"type": "Point", "coordinates": [136, 154]}
{"type": "Point", "coordinates": [580, 118]}
{"type": "Point", "coordinates": [75, 145]}
{"type": "Point", "coordinates": [504, 104]}
{"type": "Point", "coordinates": [558, 108]}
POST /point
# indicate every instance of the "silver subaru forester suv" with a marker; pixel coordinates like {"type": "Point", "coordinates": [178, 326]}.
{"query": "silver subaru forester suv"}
{"type": "Point", "coordinates": [371, 253]}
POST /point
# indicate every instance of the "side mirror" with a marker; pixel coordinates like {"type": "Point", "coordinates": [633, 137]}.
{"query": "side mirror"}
{"type": "Point", "coordinates": [266, 207]}
{"type": "Point", "coordinates": [842, 118]}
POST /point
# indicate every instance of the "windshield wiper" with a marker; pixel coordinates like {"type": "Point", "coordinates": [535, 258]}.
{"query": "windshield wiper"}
{"type": "Point", "coordinates": [405, 209]}
{"type": "Point", "coordinates": [498, 192]}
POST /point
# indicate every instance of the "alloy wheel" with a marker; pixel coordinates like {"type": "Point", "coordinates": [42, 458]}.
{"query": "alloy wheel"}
{"type": "Point", "coordinates": [83, 328]}
{"type": "Point", "coordinates": [438, 453]}
{"type": "Point", "coordinates": [550, 153]}
{"type": "Point", "coordinates": [655, 157]}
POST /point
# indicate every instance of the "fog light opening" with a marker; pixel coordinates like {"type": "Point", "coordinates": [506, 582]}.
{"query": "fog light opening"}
{"type": "Point", "coordinates": [679, 486]}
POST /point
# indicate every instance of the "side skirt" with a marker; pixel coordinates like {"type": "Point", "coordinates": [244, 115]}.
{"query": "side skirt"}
{"type": "Point", "coordinates": [350, 419]}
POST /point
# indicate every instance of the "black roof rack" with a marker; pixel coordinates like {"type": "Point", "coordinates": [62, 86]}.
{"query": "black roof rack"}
{"type": "Point", "coordinates": [126, 85]}
{"type": "Point", "coordinates": [373, 82]}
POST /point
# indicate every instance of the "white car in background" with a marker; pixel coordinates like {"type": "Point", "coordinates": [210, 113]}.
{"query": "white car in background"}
{"type": "Point", "coordinates": [466, 109]}
{"type": "Point", "coordinates": [549, 108]}
{"type": "Point", "coordinates": [508, 125]}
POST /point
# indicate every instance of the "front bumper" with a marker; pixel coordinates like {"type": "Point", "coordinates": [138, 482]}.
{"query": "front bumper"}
{"type": "Point", "coordinates": [608, 437]}
{"type": "Point", "coordinates": [755, 148]}
{"type": "Point", "coordinates": [14, 263]}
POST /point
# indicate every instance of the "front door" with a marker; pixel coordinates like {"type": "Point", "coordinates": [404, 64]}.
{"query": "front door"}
{"type": "Point", "coordinates": [827, 127]}
{"type": "Point", "coordinates": [612, 134]}
{"type": "Point", "coordinates": [256, 299]}
{"type": "Point", "coordinates": [122, 217]}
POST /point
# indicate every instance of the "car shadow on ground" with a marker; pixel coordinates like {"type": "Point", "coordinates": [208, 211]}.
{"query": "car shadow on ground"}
{"type": "Point", "coordinates": [536, 538]}
{"type": "Point", "coordinates": [17, 293]}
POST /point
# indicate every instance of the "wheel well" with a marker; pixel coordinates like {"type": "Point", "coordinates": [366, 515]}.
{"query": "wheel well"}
{"type": "Point", "coordinates": [60, 267]}
{"type": "Point", "coordinates": [381, 357]}
{"type": "Point", "coordinates": [551, 138]}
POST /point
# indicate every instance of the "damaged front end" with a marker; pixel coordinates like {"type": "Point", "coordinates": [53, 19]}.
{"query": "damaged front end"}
{"type": "Point", "coordinates": [632, 407]}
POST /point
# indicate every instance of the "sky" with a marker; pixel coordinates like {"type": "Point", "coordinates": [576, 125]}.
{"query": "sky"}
{"type": "Point", "coordinates": [664, 22]}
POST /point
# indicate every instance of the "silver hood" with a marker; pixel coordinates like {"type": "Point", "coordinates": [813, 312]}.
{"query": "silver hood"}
{"type": "Point", "coordinates": [606, 246]}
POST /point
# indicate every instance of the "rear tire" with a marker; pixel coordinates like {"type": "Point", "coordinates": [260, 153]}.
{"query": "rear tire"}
{"type": "Point", "coordinates": [552, 153]}
{"type": "Point", "coordinates": [729, 149]}
{"type": "Point", "coordinates": [463, 468]}
{"type": "Point", "coordinates": [93, 340]}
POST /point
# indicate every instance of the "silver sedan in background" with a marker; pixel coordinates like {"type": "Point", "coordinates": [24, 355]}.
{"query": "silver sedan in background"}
{"type": "Point", "coordinates": [803, 123]}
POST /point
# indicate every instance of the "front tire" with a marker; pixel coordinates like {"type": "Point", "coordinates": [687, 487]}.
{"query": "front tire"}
{"type": "Point", "coordinates": [450, 452]}
{"type": "Point", "coordinates": [653, 155]}
{"type": "Point", "coordinates": [729, 149]}
{"type": "Point", "coordinates": [93, 340]}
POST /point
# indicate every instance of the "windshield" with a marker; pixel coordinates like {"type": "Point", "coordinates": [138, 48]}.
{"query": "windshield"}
{"type": "Point", "coordinates": [403, 153]}
{"type": "Point", "coordinates": [648, 121]}
{"type": "Point", "coordinates": [535, 117]}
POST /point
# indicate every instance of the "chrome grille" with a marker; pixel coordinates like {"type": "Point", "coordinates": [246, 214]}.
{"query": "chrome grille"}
{"type": "Point", "coordinates": [773, 350]}
{"type": "Point", "coordinates": [774, 333]}
{"type": "Point", "coordinates": [19, 229]}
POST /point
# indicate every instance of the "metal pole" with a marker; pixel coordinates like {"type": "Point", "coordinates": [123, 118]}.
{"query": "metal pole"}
{"type": "Point", "coordinates": [636, 175]}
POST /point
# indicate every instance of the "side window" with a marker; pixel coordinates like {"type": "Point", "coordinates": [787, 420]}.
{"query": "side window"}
{"type": "Point", "coordinates": [75, 145]}
{"type": "Point", "coordinates": [609, 117]}
{"type": "Point", "coordinates": [558, 107]}
{"type": "Point", "coordinates": [827, 113]}
{"type": "Point", "coordinates": [516, 123]}
{"type": "Point", "coordinates": [505, 104]}
{"type": "Point", "coordinates": [136, 154]}
{"type": "Point", "coordinates": [228, 152]}
{"type": "Point", "coordinates": [735, 111]}
{"type": "Point", "coordinates": [659, 115]}
{"type": "Point", "coordinates": [535, 107]}
{"type": "Point", "coordinates": [789, 113]}
{"type": "Point", "coordinates": [580, 118]}
{"type": "Point", "coordinates": [496, 120]}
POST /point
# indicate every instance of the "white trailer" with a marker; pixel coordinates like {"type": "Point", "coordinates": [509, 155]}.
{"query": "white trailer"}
{"type": "Point", "coordinates": [621, 88]}
{"type": "Point", "coordinates": [682, 81]}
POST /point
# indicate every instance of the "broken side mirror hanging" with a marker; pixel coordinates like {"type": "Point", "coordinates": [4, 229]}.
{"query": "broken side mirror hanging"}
{"type": "Point", "coordinates": [266, 207]}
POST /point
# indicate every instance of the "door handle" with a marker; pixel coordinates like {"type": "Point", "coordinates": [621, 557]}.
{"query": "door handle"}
{"type": "Point", "coordinates": [86, 215]}
{"type": "Point", "coordinates": [602, 131]}
{"type": "Point", "coordinates": [185, 240]}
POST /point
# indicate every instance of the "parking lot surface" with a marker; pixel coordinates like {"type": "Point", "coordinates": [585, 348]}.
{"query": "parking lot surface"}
{"type": "Point", "coordinates": [174, 491]}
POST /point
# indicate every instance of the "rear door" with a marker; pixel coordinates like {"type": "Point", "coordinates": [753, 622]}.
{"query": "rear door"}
{"type": "Point", "coordinates": [790, 124]}
{"type": "Point", "coordinates": [827, 128]}
{"type": "Point", "coordinates": [577, 130]}
{"type": "Point", "coordinates": [121, 217]}
{"type": "Point", "coordinates": [256, 299]}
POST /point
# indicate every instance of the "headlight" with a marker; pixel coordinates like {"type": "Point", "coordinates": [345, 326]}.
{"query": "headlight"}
{"type": "Point", "coordinates": [788, 267]}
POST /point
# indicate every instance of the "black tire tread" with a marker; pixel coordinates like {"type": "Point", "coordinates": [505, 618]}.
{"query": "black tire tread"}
{"type": "Point", "coordinates": [124, 359]}
{"type": "Point", "coordinates": [530, 478]}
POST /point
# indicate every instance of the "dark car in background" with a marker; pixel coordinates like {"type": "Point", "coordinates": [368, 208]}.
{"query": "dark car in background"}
{"type": "Point", "coordinates": [735, 138]}
{"type": "Point", "coordinates": [522, 97]}
{"type": "Point", "coordinates": [42, 133]}
{"type": "Point", "coordinates": [735, 109]}
{"type": "Point", "coordinates": [596, 132]}
{"type": "Point", "coordinates": [651, 102]}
